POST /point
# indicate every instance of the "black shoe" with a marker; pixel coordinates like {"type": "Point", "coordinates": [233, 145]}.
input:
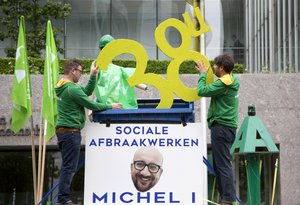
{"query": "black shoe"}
{"type": "Point", "coordinates": [225, 203]}
{"type": "Point", "coordinates": [67, 203]}
{"type": "Point", "coordinates": [72, 203]}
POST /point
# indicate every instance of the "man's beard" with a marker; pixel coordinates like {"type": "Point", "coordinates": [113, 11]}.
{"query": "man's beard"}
{"type": "Point", "coordinates": [141, 185]}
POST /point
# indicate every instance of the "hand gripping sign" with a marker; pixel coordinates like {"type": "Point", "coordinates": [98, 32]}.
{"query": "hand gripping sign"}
{"type": "Point", "coordinates": [172, 84]}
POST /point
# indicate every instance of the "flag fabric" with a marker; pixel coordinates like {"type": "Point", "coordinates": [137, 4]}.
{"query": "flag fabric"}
{"type": "Point", "coordinates": [49, 109]}
{"type": "Point", "coordinates": [21, 91]}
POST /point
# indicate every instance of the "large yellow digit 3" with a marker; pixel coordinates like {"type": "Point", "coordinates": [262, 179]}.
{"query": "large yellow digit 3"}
{"type": "Point", "coordinates": [173, 84]}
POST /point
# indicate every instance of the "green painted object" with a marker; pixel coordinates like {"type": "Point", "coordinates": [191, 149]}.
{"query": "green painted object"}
{"type": "Point", "coordinates": [105, 40]}
{"type": "Point", "coordinates": [253, 137]}
{"type": "Point", "coordinates": [253, 179]}
{"type": "Point", "coordinates": [253, 140]}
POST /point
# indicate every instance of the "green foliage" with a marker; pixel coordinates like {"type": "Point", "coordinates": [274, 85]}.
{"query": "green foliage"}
{"type": "Point", "coordinates": [239, 68]}
{"type": "Point", "coordinates": [7, 65]}
{"type": "Point", "coordinates": [36, 16]}
{"type": "Point", "coordinates": [36, 66]}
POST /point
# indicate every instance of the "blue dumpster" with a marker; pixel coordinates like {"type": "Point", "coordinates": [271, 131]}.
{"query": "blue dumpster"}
{"type": "Point", "coordinates": [180, 112]}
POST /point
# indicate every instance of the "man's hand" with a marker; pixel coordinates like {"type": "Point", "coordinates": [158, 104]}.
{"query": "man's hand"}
{"type": "Point", "coordinates": [116, 106]}
{"type": "Point", "coordinates": [90, 115]}
{"type": "Point", "coordinates": [94, 69]}
{"type": "Point", "coordinates": [201, 67]}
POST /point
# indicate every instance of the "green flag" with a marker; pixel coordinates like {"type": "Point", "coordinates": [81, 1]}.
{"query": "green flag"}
{"type": "Point", "coordinates": [49, 109]}
{"type": "Point", "coordinates": [21, 91]}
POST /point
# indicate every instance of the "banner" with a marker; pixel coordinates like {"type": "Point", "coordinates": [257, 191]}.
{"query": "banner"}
{"type": "Point", "coordinates": [144, 164]}
{"type": "Point", "coordinates": [21, 91]}
{"type": "Point", "coordinates": [49, 110]}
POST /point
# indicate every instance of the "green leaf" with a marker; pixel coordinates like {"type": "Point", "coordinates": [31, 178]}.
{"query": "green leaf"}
{"type": "Point", "coordinates": [36, 15]}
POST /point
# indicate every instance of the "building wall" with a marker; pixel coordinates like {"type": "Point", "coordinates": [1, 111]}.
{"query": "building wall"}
{"type": "Point", "coordinates": [276, 98]}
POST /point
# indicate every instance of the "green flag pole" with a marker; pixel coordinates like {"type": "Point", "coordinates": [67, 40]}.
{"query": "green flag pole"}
{"type": "Point", "coordinates": [33, 160]}
{"type": "Point", "coordinates": [38, 198]}
{"type": "Point", "coordinates": [274, 182]}
{"type": "Point", "coordinates": [21, 94]}
{"type": "Point", "coordinates": [49, 108]}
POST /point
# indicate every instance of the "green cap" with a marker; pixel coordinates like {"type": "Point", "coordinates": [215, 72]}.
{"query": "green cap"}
{"type": "Point", "coordinates": [105, 40]}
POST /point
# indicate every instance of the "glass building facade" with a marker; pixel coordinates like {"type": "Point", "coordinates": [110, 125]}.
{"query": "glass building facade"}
{"type": "Point", "coordinates": [272, 35]}
{"type": "Point", "coordinates": [262, 34]}
{"type": "Point", "coordinates": [127, 19]}
{"type": "Point", "coordinates": [137, 20]}
{"type": "Point", "coordinates": [16, 187]}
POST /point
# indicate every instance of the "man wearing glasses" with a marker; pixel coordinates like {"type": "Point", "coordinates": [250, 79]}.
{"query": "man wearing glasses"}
{"type": "Point", "coordinates": [71, 101]}
{"type": "Point", "coordinates": [146, 168]}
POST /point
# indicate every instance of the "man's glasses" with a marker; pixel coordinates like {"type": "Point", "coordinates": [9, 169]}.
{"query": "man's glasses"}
{"type": "Point", "coordinates": [78, 70]}
{"type": "Point", "coordinates": [140, 165]}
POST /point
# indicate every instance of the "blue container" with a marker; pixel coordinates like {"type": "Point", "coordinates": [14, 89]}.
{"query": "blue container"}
{"type": "Point", "coordinates": [181, 112]}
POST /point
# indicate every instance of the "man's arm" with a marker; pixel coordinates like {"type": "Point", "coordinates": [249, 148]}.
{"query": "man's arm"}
{"type": "Point", "coordinates": [211, 90]}
{"type": "Point", "coordinates": [78, 94]}
{"type": "Point", "coordinates": [113, 106]}
{"type": "Point", "coordinates": [89, 88]}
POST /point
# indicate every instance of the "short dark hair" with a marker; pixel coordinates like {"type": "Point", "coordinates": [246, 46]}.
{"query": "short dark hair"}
{"type": "Point", "coordinates": [71, 64]}
{"type": "Point", "coordinates": [225, 61]}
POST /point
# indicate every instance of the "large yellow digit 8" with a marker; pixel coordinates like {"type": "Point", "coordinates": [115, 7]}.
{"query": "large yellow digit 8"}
{"type": "Point", "coordinates": [121, 46]}
{"type": "Point", "coordinates": [179, 55]}
{"type": "Point", "coordinates": [173, 84]}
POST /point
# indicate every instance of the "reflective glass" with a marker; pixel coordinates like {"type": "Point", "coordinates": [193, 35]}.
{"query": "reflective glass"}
{"type": "Point", "coordinates": [171, 9]}
{"type": "Point", "coordinates": [16, 185]}
{"type": "Point", "coordinates": [136, 20]}
{"type": "Point", "coordinates": [227, 34]}
{"type": "Point", "coordinates": [89, 20]}
{"type": "Point", "coordinates": [4, 43]}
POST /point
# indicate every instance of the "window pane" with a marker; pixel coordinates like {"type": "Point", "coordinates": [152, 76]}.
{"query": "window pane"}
{"type": "Point", "coordinates": [227, 34]}
{"type": "Point", "coordinates": [136, 20]}
{"type": "Point", "coordinates": [89, 20]}
{"type": "Point", "coordinates": [6, 42]}
{"type": "Point", "coordinates": [16, 185]}
{"type": "Point", "coordinates": [16, 178]}
{"type": "Point", "coordinates": [170, 9]}
{"type": "Point", "coordinates": [234, 28]}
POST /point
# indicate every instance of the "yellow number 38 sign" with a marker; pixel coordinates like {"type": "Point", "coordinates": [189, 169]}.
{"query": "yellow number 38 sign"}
{"type": "Point", "coordinates": [172, 84]}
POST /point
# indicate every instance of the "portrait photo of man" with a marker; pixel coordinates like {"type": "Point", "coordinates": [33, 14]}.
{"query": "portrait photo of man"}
{"type": "Point", "coordinates": [146, 168]}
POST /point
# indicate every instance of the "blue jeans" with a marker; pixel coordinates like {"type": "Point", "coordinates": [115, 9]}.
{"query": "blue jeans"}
{"type": "Point", "coordinates": [222, 138]}
{"type": "Point", "coordinates": [69, 146]}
